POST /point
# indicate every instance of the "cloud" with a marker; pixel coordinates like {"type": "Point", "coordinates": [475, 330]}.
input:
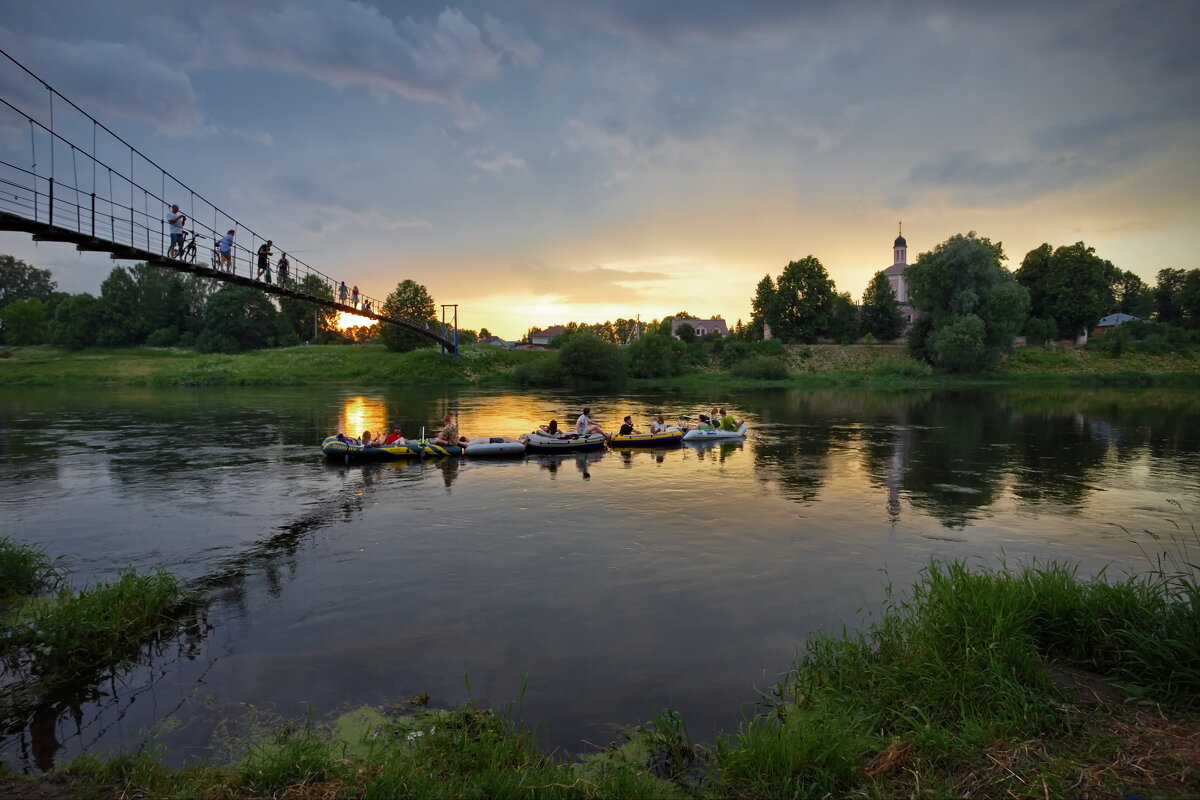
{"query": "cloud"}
{"type": "Point", "coordinates": [493, 159]}
{"type": "Point", "coordinates": [590, 285]}
{"type": "Point", "coordinates": [512, 40]}
{"type": "Point", "coordinates": [349, 44]}
{"type": "Point", "coordinates": [319, 210]}
{"type": "Point", "coordinates": [115, 80]}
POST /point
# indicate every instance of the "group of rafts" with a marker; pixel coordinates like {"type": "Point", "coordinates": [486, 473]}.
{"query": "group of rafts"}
{"type": "Point", "coordinates": [344, 448]}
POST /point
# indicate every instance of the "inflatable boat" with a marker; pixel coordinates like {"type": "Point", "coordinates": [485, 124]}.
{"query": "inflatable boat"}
{"type": "Point", "coordinates": [539, 442]}
{"type": "Point", "coordinates": [496, 448]}
{"type": "Point", "coordinates": [342, 450]}
{"type": "Point", "coordinates": [714, 434]}
{"type": "Point", "coordinates": [669, 438]}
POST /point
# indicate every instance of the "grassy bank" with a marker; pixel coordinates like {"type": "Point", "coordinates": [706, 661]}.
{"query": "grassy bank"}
{"type": "Point", "coordinates": [1024, 682]}
{"type": "Point", "coordinates": [882, 366]}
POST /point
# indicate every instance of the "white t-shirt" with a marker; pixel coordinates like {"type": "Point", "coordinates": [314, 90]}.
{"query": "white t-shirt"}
{"type": "Point", "coordinates": [175, 220]}
{"type": "Point", "coordinates": [581, 424]}
{"type": "Point", "coordinates": [658, 427]}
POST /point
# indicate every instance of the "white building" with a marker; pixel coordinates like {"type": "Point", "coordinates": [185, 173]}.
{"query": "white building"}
{"type": "Point", "coordinates": [898, 281]}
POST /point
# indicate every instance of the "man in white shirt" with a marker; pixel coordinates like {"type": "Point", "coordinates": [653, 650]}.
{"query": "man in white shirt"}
{"type": "Point", "coordinates": [176, 220]}
{"type": "Point", "coordinates": [584, 425]}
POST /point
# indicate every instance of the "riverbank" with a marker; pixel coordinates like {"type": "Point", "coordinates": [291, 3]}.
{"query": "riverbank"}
{"type": "Point", "coordinates": [882, 366]}
{"type": "Point", "coordinates": [983, 683]}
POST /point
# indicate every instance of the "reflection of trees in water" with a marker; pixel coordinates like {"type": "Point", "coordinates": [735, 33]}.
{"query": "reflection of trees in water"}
{"type": "Point", "coordinates": [36, 727]}
{"type": "Point", "coordinates": [959, 456]}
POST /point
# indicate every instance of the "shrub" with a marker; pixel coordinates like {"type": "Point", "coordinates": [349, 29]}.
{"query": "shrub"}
{"type": "Point", "coordinates": [655, 356]}
{"type": "Point", "coordinates": [763, 368]}
{"type": "Point", "coordinates": [586, 359]}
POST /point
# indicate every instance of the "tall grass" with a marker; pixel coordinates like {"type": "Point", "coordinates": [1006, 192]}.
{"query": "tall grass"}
{"type": "Point", "coordinates": [24, 570]}
{"type": "Point", "coordinates": [71, 635]}
{"type": "Point", "coordinates": [961, 664]}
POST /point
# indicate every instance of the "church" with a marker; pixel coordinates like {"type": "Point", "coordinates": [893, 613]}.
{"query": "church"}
{"type": "Point", "coordinates": [899, 283]}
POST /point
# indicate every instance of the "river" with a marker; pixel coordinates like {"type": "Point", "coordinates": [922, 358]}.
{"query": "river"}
{"type": "Point", "coordinates": [597, 590]}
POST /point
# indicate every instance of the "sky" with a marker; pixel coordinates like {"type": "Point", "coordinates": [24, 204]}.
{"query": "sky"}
{"type": "Point", "coordinates": [546, 161]}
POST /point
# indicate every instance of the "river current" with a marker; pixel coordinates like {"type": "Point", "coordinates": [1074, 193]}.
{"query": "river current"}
{"type": "Point", "coordinates": [596, 589]}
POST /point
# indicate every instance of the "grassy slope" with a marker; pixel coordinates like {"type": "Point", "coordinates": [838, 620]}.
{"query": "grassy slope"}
{"type": "Point", "coordinates": [846, 365]}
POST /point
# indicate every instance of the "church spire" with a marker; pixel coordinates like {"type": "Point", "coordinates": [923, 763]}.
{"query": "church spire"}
{"type": "Point", "coordinates": [900, 248]}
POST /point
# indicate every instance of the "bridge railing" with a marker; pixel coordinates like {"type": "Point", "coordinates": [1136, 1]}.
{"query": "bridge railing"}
{"type": "Point", "coordinates": [62, 167]}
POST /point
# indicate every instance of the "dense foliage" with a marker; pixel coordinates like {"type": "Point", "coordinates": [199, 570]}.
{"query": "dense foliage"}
{"type": "Point", "coordinates": [409, 301]}
{"type": "Point", "coordinates": [881, 316]}
{"type": "Point", "coordinates": [971, 308]}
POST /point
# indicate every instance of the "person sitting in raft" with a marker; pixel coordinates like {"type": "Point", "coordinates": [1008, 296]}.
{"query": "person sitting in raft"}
{"type": "Point", "coordinates": [551, 429]}
{"type": "Point", "coordinates": [585, 426]}
{"type": "Point", "coordinates": [344, 439]}
{"type": "Point", "coordinates": [627, 428]}
{"type": "Point", "coordinates": [728, 423]}
{"type": "Point", "coordinates": [705, 423]}
{"type": "Point", "coordinates": [368, 440]}
{"type": "Point", "coordinates": [395, 437]}
{"type": "Point", "coordinates": [448, 436]}
{"type": "Point", "coordinates": [659, 425]}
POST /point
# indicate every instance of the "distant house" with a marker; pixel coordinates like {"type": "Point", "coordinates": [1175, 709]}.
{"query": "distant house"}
{"type": "Point", "coordinates": [701, 326]}
{"type": "Point", "coordinates": [1111, 321]}
{"type": "Point", "coordinates": [546, 336]}
{"type": "Point", "coordinates": [495, 341]}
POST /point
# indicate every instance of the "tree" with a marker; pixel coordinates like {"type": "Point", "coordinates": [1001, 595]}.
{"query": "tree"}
{"type": "Point", "coordinates": [121, 323]}
{"type": "Point", "coordinates": [309, 321]}
{"type": "Point", "coordinates": [24, 321]}
{"type": "Point", "coordinates": [655, 356]}
{"type": "Point", "coordinates": [484, 333]}
{"type": "Point", "coordinates": [1133, 296]}
{"type": "Point", "coordinates": [238, 318]}
{"type": "Point", "coordinates": [75, 322]}
{"type": "Point", "coordinates": [971, 308]}
{"type": "Point", "coordinates": [410, 301]}
{"type": "Point", "coordinates": [1189, 300]}
{"type": "Point", "coordinates": [685, 333]}
{"type": "Point", "coordinates": [881, 315]}
{"type": "Point", "coordinates": [803, 302]}
{"type": "Point", "coordinates": [1166, 290]}
{"type": "Point", "coordinates": [19, 281]}
{"type": "Point", "coordinates": [762, 307]}
{"type": "Point", "coordinates": [843, 319]}
{"type": "Point", "coordinates": [1070, 285]}
{"type": "Point", "coordinates": [586, 359]}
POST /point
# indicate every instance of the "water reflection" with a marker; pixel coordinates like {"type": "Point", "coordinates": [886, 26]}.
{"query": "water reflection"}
{"type": "Point", "coordinates": [403, 575]}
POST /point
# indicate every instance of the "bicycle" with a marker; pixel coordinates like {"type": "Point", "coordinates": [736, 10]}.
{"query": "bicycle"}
{"type": "Point", "coordinates": [187, 248]}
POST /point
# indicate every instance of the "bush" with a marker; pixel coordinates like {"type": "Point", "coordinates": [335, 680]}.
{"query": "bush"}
{"type": "Point", "coordinates": [163, 337]}
{"type": "Point", "coordinates": [1148, 338]}
{"type": "Point", "coordinates": [544, 371]}
{"type": "Point", "coordinates": [764, 368]}
{"type": "Point", "coordinates": [586, 359]}
{"type": "Point", "coordinates": [655, 356]}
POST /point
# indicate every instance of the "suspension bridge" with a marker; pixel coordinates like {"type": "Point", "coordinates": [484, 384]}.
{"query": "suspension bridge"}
{"type": "Point", "coordinates": [104, 195]}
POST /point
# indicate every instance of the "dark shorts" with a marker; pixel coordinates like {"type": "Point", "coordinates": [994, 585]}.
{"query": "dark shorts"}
{"type": "Point", "coordinates": [176, 238]}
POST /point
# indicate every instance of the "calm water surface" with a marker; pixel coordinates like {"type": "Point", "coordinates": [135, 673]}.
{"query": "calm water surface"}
{"type": "Point", "coordinates": [610, 585]}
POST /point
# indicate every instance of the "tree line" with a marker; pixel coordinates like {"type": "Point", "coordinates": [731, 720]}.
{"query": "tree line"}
{"type": "Point", "coordinates": [150, 306]}
{"type": "Point", "coordinates": [969, 306]}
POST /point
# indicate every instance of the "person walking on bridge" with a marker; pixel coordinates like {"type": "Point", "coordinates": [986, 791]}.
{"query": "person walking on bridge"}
{"type": "Point", "coordinates": [225, 248]}
{"type": "Point", "coordinates": [264, 260]}
{"type": "Point", "coordinates": [281, 269]}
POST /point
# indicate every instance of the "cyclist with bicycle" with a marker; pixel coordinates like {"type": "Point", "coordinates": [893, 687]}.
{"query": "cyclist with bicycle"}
{"type": "Point", "coordinates": [176, 220]}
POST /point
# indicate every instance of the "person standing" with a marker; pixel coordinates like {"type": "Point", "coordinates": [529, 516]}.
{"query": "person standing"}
{"type": "Point", "coordinates": [342, 293]}
{"type": "Point", "coordinates": [176, 221]}
{"type": "Point", "coordinates": [354, 296]}
{"type": "Point", "coordinates": [264, 260]}
{"type": "Point", "coordinates": [225, 248]}
{"type": "Point", "coordinates": [282, 269]}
